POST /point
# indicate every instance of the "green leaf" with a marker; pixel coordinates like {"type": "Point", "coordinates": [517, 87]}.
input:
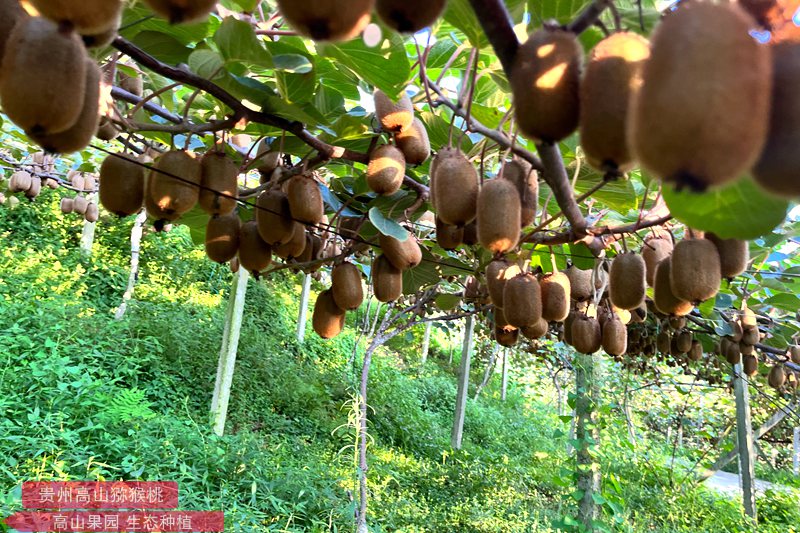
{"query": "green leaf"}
{"type": "Point", "coordinates": [460, 14]}
{"type": "Point", "coordinates": [385, 66]}
{"type": "Point", "coordinates": [561, 10]}
{"type": "Point", "coordinates": [446, 302]}
{"type": "Point", "coordinates": [740, 210]}
{"type": "Point", "coordinates": [292, 63]}
{"type": "Point", "coordinates": [387, 226]}
{"type": "Point", "coordinates": [206, 63]}
{"type": "Point", "coordinates": [238, 42]}
{"type": "Point", "coordinates": [162, 46]}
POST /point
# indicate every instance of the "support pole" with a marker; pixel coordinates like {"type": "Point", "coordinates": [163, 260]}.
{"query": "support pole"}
{"type": "Point", "coordinates": [504, 387]}
{"type": "Point", "coordinates": [303, 316]}
{"type": "Point", "coordinates": [463, 384]}
{"type": "Point", "coordinates": [586, 397]}
{"type": "Point", "coordinates": [796, 451]}
{"type": "Point", "coordinates": [744, 437]}
{"type": "Point", "coordinates": [426, 343]}
{"type": "Point", "coordinates": [136, 244]}
{"type": "Point", "coordinates": [227, 356]}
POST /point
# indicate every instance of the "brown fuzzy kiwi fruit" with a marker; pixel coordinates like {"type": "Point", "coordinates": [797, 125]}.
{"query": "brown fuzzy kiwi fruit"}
{"type": "Point", "coordinates": [639, 314]}
{"type": "Point", "coordinates": [526, 180]}
{"type": "Point", "coordinates": [568, 327]}
{"type": "Point", "coordinates": [471, 234]}
{"type": "Point", "coordinates": [409, 16]}
{"type": "Point", "coordinates": [254, 253]}
{"type": "Point", "coordinates": [586, 335]}
{"type": "Point", "coordinates": [777, 377]}
{"type": "Point", "coordinates": [696, 351]}
{"type": "Point", "coordinates": [96, 40]}
{"type": "Point", "coordinates": [386, 170]}
{"type": "Point", "coordinates": [522, 300]}
{"type": "Point", "coordinates": [628, 281]}
{"type": "Point", "coordinates": [92, 213]}
{"type": "Point", "coordinates": [684, 340]}
{"type": "Point", "coordinates": [778, 168]}
{"type": "Point", "coordinates": [748, 317]}
{"type": "Point", "coordinates": [695, 275]}
{"type": "Point", "coordinates": [544, 81]}
{"type": "Point", "coordinates": [220, 187]}
{"type": "Point", "coordinates": [498, 272]}
{"type": "Point", "coordinates": [122, 183]}
{"type": "Point", "coordinates": [168, 198]}
{"type": "Point", "coordinates": [615, 337]}
{"type": "Point", "coordinates": [35, 189]}
{"type": "Point", "coordinates": [750, 335]}
{"type": "Point", "coordinates": [305, 200]}
{"type": "Point", "coordinates": [498, 219]}
{"type": "Point", "coordinates": [348, 292]}
{"type": "Point", "coordinates": [653, 252]}
{"type": "Point", "coordinates": [79, 135]}
{"type": "Point", "coordinates": [580, 283]}
{"type": "Point", "coordinates": [20, 181]}
{"type": "Point", "coordinates": [180, 11]}
{"type": "Point", "coordinates": [750, 365]}
{"type": "Point", "coordinates": [107, 130]}
{"type": "Point", "coordinates": [676, 133]}
{"type": "Point", "coordinates": [11, 12]}
{"type": "Point", "coordinates": [664, 342]}
{"type": "Point", "coordinates": [295, 246]}
{"type": "Point", "coordinates": [738, 331]}
{"type": "Point", "coordinates": [448, 237]}
{"type": "Point", "coordinates": [86, 16]}
{"type": "Point", "coordinates": [454, 187]}
{"type": "Point", "coordinates": [404, 255]}
{"type": "Point", "coordinates": [66, 205]}
{"type": "Point", "coordinates": [747, 349]}
{"type": "Point", "coordinates": [274, 217]}
{"type": "Point", "coordinates": [387, 280]}
{"type": "Point", "coordinates": [665, 300]}
{"type": "Point", "coordinates": [134, 84]}
{"type": "Point", "coordinates": [677, 322]}
{"type": "Point", "coordinates": [537, 331]}
{"type": "Point", "coordinates": [222, 237]}
{"type": "Point", "coordinates": [43, 101]}
{"type": "Point", "coordinates": [613, 74]}
{"type": "Point", "coordinates": [393, 116]}
{"type": "Point", "coordinates": [414, 143]}
{"type": "Point", "coordinates": [500, 320]}
{"type": "Point", "coordinates": [733, 255]}
{"type": "Point", "coordinates": [507, 339]}
{"type": "Point", "coordinates": [80, 204]}
{"type": "Point", "coordinates": [328, 318]}
{"type": "Point", "coordinates": [794, 354]}
{"type": "Point", "coordinates": [555, 296]}
{"type": "Point", "coordinates": [732, 353]}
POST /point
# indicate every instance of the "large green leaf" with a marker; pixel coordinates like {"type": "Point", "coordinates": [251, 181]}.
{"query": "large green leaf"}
{"type": "Point", "coordinates": [387, 226]}
{"type": "Point", "coordinates": [385, 66]}
{"type": "Point", "coordinates": [162, 46]}
{"type": "Point", "coordinates": [238, 42]}
{"type": "Point", "coordinates": [460, 14]}
{"type": "Point", "coordinates": [561, 10]}
{"type": "Point", "coordinates": [740, 210]}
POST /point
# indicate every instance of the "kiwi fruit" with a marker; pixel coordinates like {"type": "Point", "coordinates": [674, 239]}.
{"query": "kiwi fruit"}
{"type": "Point", "coordinates": [92, 213]}
{"type": "Point", "coordinates": [526, 180]}
{"type": "Point", "coordinates": [107, 130]}
{"type": "Point", "coordinates": [695, 351]}
{"type": "Point", "coordinates": [407, 16]}
{"type": "Point", "coordinates": [35, 189]}
{"type": "Point", "coordinates": [580, 283]}
{"type": "Point", "coordinates": [653, 252]}
{"type": "Point", "coordinates": [404, 255]}
{"type": "Point", "coordinates": [80, 204]}
{"type": "Point", "coordinates": [627, 283]}
{"type": "Point", "coordinates": [639, 314]}
{"type": "Point", "coordinates": [555, 296]}
{"type": "Point", "coordinates": [683, 340]}
{"type": "Point", "coordinates": [612, 76]}
{"type": "Point", "coordinates": [545, 79]}
{"type": "Point", "coordinates": [387, 280]}
{"type": "Point", "coordinates": [471, 233]}
{"type": "Point", "coordinates": [536, 331]}
{"type": "Point", "coordinates": [386, 170]}
{"type": "Point", "coordinates": [222, 237]}
{"type": "Point", "coordinates": [732, 353]}
{"type": "Point", "coordinates": [498, 272]}
{"type": "Point", "coordinates": [498, 216]}
{"type": "Point", "coordinates": [79, 135]}
{"type": "Point", "coordinates": [522, 300]}
{"type": "Point", "coordinates": [393, 116]}
{"type": "Point", "coordinates": [11, 12]}
{"type": "Point", "coordinates": [664, 342]}
{"type": "Point", "coordinates": [676, 133]}
{"type": "Point", "coordinates": [448, 237]}
{"type": "Point", "coordinates": [500, 321]}
{"type": "Point", "coordinates": [454, 187]}
{"type": "Point", "coordinates": [274, 217]}
{"type": "Point", "coordinates": [750, 365]}
{"type": "Point", "coordinates": [413, 141]}
{"type": "Point", "coordinates": [586, 335]}
{"type": "Point", "coordinates": [66, 205]}
{"type": "Point", "coordinates": [20, 181]}
{"type": "Point", "coordinates": [778, 168]}
{"type": "Point", "coordinates": [747, 349]}
{"type": "Point", "coordinates": [43, 101]}
{"type": "Point", "coordinates": [776, 377]}
{"type": "Point", "coordinates": [750, 335]}
{"type": "Point", "coordinates": [122, 181]}
{"type": "Point", "coordinates": [134, 84]}
{"type": "Point", "coordinates": [180, 11]}
{"type": "Point", "coordinates": [665, 300]}
{"type": "Point", "coordinates": [748, 317]}
{"type": "Point", "coordinates": [695, 275]}
{"type": "Point", "coordinates": [677, 322]}
{"type": "Point", "coordinates": [305, 200]}
{"type": "Point", "coordinates": [295, 246]}
{"type": "Point", "coordinates": [86, 16]}
{"type": "Point", "coordinates": [348, 292]}
{"type": "Point", "coordinates": [327, 319]}
{"type": "Point", "coordinates": [104, 38]}
{"type": "Point", "coordinates": [506, 338]}
{"type": "Point", "coordinates": [220, 187]}
{"type": "Point", "coordinates": [567, 338]}
{"type": "Point", "coordinates": [794, 354]}
{"type": "Point", "coordinates": [255, 254]}
{"type": "Point", "coordinates": [168, 197]}
{"type": "Point", "coordinates": [615, 337]}
{"type": "Point", "coordinates": [733, 255]}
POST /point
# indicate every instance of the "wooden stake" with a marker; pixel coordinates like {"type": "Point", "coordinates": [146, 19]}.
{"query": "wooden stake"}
{"type": "Point", "coordinates": [463, 384]}
{"type": "Point", "coordinates": [744, 437]}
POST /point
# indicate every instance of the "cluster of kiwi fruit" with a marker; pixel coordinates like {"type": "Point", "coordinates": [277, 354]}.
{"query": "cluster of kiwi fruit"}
{"type": "Point", "coordinates": [29, 179]}
{"type": "Point", "coordinates": [332, 20]}
{"type": "Point", "coordinates": [85, 185]}
{"type": "Point", "coordinates": [623, 100]}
